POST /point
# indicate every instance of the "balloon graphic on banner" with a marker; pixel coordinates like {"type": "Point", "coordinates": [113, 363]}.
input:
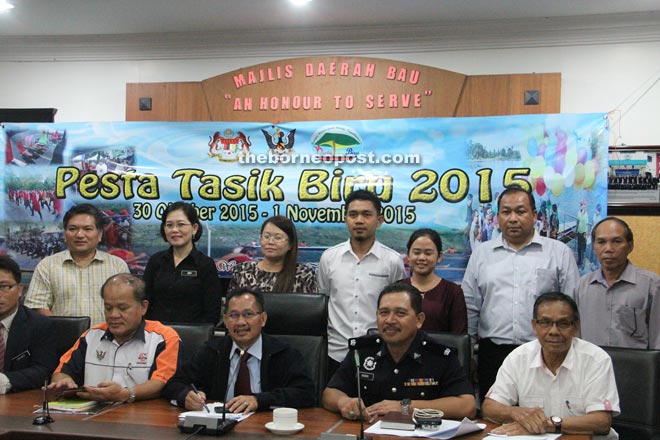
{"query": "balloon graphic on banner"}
{"type": "Point", "coordinates": [540, 186]}
{"type": "Point", "coordinates": [589, 175]}
{"type": "Point", "coordinates": [557, 162]}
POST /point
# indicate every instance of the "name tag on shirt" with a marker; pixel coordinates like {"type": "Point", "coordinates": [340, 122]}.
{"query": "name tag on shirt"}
{"type": "Point", "coordinates": [367, 376]}
{"type": "Point", "coordinates": [19, 357]}
{"type": "Point", "coordinates": [188, 273]}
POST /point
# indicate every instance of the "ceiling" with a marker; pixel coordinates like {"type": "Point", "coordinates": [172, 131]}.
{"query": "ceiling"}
{"type": "Point", "coordinates": [84, 17]}
{"type": "Point", "coordinates": [37, 30]}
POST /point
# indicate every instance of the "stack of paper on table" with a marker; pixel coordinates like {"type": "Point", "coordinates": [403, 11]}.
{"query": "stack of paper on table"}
{"type": "Point", "coordinates": [72, 405]}
{"type": "Point", "coordinates": [448, 429]}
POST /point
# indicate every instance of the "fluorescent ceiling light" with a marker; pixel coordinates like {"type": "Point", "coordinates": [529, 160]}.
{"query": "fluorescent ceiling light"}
{"type": "Point", "coordinates": [5, 5]}
{"type": "Point", "coordinates": [300, 2]}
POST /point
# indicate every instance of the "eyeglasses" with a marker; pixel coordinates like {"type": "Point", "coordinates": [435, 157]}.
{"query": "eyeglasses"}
{"type": "Point", "coordinates": [247, 314]}
{"type": "Point", "coordinates": [180, 225]}
{"type": "Point", "coordinates": [7, 287]}
{"type": "Point", "coordinates": [563, 324]}
{"type": "Point", "coordinates": [277, 238]}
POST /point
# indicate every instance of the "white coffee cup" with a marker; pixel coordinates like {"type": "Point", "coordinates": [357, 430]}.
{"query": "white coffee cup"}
{"type": "Point", "coordinates": [285, 418]}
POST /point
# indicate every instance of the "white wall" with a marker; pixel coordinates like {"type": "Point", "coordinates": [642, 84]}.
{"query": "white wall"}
{"type": "Point", "coordinates": [595, 78]}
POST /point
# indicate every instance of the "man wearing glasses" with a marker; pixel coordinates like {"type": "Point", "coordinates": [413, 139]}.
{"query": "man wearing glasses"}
{"type": "Point", "coordinates": [249, 369]}
{"type": "Point", "coordinates": [557, 383]}
{"type": "Point", "coordinates": [27, 339]}
{"type": "Point", "coordinates": [125, 359]}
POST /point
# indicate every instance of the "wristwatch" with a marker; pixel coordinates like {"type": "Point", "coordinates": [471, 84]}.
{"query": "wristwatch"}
{"type": "Point", "coordinates": [131, 395]}
{"type": "Point", "coordinates": [556, 420]}
{"type": "Point", "coordinates": [405, 406]}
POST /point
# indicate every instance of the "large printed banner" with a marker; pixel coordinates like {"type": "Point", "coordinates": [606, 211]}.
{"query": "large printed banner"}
{"type": "Point", "coordinates": [442, 173]}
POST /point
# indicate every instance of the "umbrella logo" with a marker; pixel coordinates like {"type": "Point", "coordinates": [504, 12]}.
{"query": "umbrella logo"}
{"type": "Point", "coordinates": [336, 142]}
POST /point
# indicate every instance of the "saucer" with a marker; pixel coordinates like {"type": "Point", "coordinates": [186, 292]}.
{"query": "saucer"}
{"type": "Point", "coordinates": [275, 430]}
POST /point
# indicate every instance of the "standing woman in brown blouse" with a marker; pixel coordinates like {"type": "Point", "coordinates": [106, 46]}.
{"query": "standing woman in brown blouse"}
{"type": "Point", "coordinates": [443, 301]}
{"type": "Point", "coordinates": [279, 271]}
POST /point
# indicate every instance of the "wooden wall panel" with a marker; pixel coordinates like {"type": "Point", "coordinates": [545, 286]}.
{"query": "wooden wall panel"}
{"type": "Point", "coordinates": [647, 241]}
{"type": "Point", "coordinates": [378, 89]}
{"type": "Point", "coordinates": [180, 101]}
{"type": "Point", "coordinates": [495, 95]}
{"type": "Point", "coordinates": [257, 93]}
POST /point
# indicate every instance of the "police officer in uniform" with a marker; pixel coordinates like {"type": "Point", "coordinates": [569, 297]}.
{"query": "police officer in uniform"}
{"type": "Point", "coordinates": [401, 368]}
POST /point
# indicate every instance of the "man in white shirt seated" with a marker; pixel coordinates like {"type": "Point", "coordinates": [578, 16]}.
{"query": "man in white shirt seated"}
{"type": "Point", "coordinates": [557, 383]}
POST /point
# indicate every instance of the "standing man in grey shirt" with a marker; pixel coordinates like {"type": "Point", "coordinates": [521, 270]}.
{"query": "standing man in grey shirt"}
{"type": "Point", "coordinates": [504, 277]}
{"type": "Point", "coordinates": [620, 303]}
{"type": "Point", "coordinates": [354, 272]}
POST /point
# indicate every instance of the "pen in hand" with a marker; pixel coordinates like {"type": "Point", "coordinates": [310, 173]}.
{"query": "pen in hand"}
{"type": "Point", "coordinates": [192, 385]}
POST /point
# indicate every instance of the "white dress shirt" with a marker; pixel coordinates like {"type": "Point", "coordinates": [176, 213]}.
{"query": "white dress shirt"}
{"type": "Point", "coordinates": [584, 382]}
{"type": "Point", "coordinates": [353, 286]}
{"type": "Point", "coordinates": [501, 284]}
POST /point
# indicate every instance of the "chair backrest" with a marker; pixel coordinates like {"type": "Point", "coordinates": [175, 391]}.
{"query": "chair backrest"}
{"type": "Point", "coordinates": [314, 350]}
{"type": "Point", "coordinates": [296, 314]}
{"type": "Point", "coordinates": [637, 375]}
{"type": "Point", "coordinates": [462, 344]}
{"type": "Point", "coordinates": [193, 337]}
{"type": "Point", "coordinates": [68, 329]}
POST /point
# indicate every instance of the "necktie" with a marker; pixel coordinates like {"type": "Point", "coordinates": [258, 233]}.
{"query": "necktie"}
{"type": "Point", "coordinates": [2, 348]}
{"type": "Point", "coordinates": [242, 387]}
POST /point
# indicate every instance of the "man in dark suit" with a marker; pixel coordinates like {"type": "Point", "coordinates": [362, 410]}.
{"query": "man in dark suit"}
{"type": "Point", "coordinates": [253, 371]}
{"type": "Point", "coordinates": [27, 339]}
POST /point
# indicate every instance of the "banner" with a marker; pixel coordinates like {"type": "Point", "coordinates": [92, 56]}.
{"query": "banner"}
{"type": "Point", "coordinates": [442, 173]}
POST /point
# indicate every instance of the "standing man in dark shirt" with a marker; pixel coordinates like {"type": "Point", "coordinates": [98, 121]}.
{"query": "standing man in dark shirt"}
{"type": "Point", "coordinates": [401, 369]}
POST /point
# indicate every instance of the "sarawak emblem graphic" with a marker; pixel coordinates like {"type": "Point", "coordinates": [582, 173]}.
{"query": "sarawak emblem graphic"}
{"type": "Point", "coordinates": [228, 147]}
{"type": "Point", "coordinates": [279, 144]}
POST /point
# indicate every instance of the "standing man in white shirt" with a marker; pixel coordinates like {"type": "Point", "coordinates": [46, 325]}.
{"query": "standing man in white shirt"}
{"type": "Point", "coordinates": [354, 272]}
{"type": "Point", "coordinates": [505, 275]}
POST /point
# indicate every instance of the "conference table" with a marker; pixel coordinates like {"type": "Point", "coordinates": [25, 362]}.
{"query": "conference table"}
{"type": "Point", "coordinates": [157, 419]}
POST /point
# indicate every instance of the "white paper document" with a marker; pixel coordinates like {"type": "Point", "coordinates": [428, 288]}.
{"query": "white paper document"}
{"type": "Point", "coordinates": [448, 429]}
{"type": "Point", "coordinates": [215, 415]}
{"type": "Point", "coordinates": [523, 437]}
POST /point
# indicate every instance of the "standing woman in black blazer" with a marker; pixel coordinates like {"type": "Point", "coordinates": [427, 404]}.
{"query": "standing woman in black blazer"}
{"type": "Point", "coordinates": [182, 284]}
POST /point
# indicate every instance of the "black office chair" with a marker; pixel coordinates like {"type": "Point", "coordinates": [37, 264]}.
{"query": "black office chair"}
{"type": "Point", "coordinates": [460, 342]}
{"type": "Point", "coordinates": [193, 337]}
{"type": "Point", "coordinates": [637, 375]}
{"type": "Point", "coordinates": [314, 350]}
{"type": "Point", "coordinates": [301, 319]}
{"type": "Point", "coordinates": [68, 329]}
{"type": "Point", "coordinates": [296, 314]}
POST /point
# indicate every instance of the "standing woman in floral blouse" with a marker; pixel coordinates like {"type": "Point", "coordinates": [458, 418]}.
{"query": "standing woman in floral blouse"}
{"type": "Point", "coordinates": [279, 271]}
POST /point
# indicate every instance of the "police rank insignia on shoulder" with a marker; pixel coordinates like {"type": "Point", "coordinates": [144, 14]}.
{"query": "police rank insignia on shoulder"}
{"type": "Point", "coordinates": [421, 382]}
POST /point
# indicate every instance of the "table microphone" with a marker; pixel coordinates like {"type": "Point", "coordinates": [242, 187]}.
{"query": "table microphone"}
{"type": "Point", "coordinates": [356, 355]}
{"type": "Point", "coordinates": [211, 425]}
{"type": "Point", "coordinates": [45, 417]}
